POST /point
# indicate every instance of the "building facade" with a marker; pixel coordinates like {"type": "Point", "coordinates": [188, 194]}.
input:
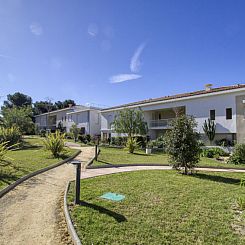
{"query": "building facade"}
{"type": "Point", "coordinates": [86, 118]}
{"type": "Point", "coordinates": [224, 105]}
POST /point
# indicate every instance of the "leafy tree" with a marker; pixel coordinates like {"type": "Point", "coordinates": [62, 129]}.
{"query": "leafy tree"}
{"type": "Point", "coordinates": [19, 117]}
{"type": "Point", "coordinates": [75, 132]}
{"type": "Point", "coordinates": [17, 100]}
{"type": "Point", "coordinates": [181, 143]}
{"type": "Point", "coordinates": [130, 122]}
{"type": "Point", "coordinates": [66, 103]}
{"type": "Point", "coordinates": [209, 127]}
{"type": "Point", "coordinates": [40, 107]}
{"type": "Point", "coordinates": [59, 105]}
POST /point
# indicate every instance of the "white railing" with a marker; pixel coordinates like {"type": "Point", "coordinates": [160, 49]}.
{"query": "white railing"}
{"type": "Point", "coordinates": [160, 123]}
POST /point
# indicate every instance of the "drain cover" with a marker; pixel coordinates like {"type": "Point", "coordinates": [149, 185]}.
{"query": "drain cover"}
{"type": "Point", "coordinates": [113, 196]}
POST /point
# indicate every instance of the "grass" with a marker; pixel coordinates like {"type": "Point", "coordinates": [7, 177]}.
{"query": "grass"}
{"type": "Point", "coordinates": [121, 156]}
{"type": "Point", "coordinates": [31, 157]}
{"type": "Point", "coordinates": [161, 207]}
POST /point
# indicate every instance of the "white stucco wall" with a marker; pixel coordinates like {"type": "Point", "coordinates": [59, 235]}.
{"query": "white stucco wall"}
{"type": "Point", "coordinates": [197, 107]}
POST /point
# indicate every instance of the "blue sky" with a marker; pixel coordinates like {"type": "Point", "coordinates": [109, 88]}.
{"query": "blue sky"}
{"type": "Point", "coordinates": [89, 50]}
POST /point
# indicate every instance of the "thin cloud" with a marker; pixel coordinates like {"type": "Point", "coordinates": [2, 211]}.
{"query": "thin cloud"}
{"type": "Point", "coordinates": [36, 29]}
{"type": "Point", "coordinates": [135, 63]}
{"type": "Point", "coordinates": [124, 77]}
{"type": "Point", "coordinates": [93, 29]}
{"type": "Point", "coordinates": [6, 56]}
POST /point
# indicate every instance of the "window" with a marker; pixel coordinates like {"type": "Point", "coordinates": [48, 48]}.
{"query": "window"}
{"type": "Point", "coordinates": [212, 114]}
{"type": "Point", "coordinates": [228, 113]}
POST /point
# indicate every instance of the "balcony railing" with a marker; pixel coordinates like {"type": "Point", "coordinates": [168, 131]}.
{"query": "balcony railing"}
{"type": "Point", "coordinates": [161, 123]}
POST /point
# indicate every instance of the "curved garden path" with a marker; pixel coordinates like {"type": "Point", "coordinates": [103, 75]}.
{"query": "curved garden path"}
{"type": "Point", "coordinates": [32, 212]}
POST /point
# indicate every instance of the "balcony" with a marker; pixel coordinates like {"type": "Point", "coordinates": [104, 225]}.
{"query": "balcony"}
{"type": "Point", "coordinates": [161, 123]}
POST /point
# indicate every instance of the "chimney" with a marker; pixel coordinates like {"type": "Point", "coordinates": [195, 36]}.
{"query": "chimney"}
{"type": "Point", "coordinates": [208, 86]}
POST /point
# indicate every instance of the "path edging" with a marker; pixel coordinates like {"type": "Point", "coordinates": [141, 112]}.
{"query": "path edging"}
{"type": "Point", "coordinates": [69, 223]}
{"type": "Point", "coordinates": [155, 165]}
{"type": "Point", "coordinates": [30, 175]}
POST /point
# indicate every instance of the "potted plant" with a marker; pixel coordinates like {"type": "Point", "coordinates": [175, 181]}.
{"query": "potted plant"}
{"type": "Point", "coordinates": [148, 148]}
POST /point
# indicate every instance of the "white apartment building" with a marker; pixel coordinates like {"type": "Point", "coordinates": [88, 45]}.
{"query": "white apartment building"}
{"type": "Point", "coordinates": [224, 105]}
{"type": "Point", "coordinates": [86, 118]}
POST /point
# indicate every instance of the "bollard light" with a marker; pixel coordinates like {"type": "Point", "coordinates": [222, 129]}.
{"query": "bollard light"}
{"type": "Point", "coordinates": [78, 176]}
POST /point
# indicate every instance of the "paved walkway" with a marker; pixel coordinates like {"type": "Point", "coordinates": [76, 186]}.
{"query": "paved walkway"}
{"type": "Point", "coordinates": [104, 171]}
{"type": "Point", "coordinates": [32, 213]}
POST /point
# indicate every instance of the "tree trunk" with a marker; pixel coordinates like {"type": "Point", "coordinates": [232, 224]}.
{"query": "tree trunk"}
{"type": "Point", "coordinates": [186, 170]}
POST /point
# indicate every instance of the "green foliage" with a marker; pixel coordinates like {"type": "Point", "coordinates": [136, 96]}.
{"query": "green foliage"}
{"type": "Point", "coordinates": [60, 127]}
{"type": "Point", "coordinates": [181, 143]}
{"type": "Point", "coordinates": [238, 156]}
{"type": "Point", "coordinates": [19, 117]}
{"type": "Point", "coordinates": [224, 142]}
{"type": "Point", "coordinates": [75, 132]}
{"type": "Point", "coordinates": [47, 106]}
{"type": "Point", "coordinates": [42, 133]}
{"type": "Point", "coordinates": [88, 138]}
{"type": "Point", "coordinates": [17, 100]}
{"type": "Point", "coordinates": [3, 151]}
{"type": "Point", "coordinates": [130, 122]}
{"type": "Point", "coordinates": [55, 142]}
{"type": "Point", "coordinates": [209, 127]}
{"type": "Point", "coordinates": [213, 152]}
{"type": "Point", "coordinates": [118, 141]}
{"type": "Point", "coordinates": [10, 135]}
{"type": "Point", "coordinates": [132, 145]}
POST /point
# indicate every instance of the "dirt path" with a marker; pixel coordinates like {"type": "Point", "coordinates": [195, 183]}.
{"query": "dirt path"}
{"type": "Point", "coordinates": [29, 213]}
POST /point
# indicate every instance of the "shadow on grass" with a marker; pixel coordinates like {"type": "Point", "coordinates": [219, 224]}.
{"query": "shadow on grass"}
{"type": "Point", "coordinates": [141, 154]}
{"type": "Point", "coordinates": [216, 178]}
{"type": "Point", "coordinates": [108, 163]}
{"type": "Point", "coordinates": [118, 217]}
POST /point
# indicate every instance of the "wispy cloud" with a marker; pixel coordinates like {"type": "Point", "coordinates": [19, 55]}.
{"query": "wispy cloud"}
{"type": "Point", "coordinates": [36, 29]}
{"type": "Point", "coordinates": [135, 63]}
{"type": "Point", "coordinates": [6, 56]}
{"type": "Point", "coordinates": [124, 77]}
{"type": "Point", "coordinates": [93, 29]}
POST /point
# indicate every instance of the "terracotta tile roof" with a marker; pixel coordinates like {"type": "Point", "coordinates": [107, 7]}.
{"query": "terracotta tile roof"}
{"type": "Point", "coordinates": [178, 96]}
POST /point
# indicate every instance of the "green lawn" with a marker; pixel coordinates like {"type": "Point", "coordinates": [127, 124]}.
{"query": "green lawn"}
{"type": "Point", "coordinates": [26, 160]}
{"type": "Point", "coordinates": [161, 207]}
{"type": "Point", "coordinates": [121, 156]}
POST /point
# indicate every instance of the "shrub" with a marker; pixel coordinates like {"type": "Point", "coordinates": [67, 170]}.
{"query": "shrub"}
{"type": "Point", "coordinates": [132, 145]}
{"type": "Point", "coordinates": [224, 142]}
{"type": "Point", "coordinates": [213, 152]}
{"type": "Point", "coordinates": [181, 143]}
{"type": "Point", "coordinates": [3, 151]}
{"type": "Point", "coordinates": [42, 133]}
{"type": "Point", "coordinates": [82, 138]}
{"type": "Point", "coordinates": [69, 135]}
{"type": "Point", "coordinates": [55, 142]}
{"type": "Point", "coordinates": [120, 141]}
{"type": "Point", "coordinates": [159, 142]}
{"type": "Point", "coordinates": [238, 156]}
{"type": "Point", "coordinates": [74, 131]}
{"type": "Point", "coordinates": [11, 135]}
{"type": "Point", "coordinates": [141, 140]}
{"type": "Point", "coordinates": [88, 137]}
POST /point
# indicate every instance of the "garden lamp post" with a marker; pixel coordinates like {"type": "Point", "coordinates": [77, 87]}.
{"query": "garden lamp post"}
{"type": "Point", "coordinates": [78, 176]}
